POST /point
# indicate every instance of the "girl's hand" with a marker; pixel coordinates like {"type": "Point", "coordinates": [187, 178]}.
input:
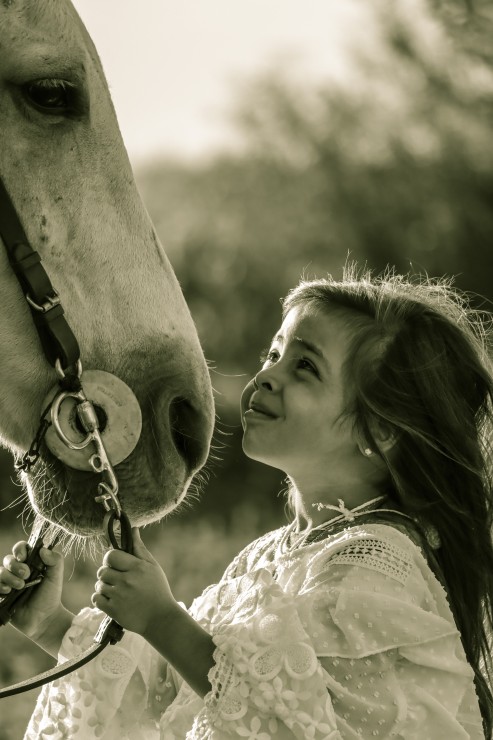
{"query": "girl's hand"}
{"type": "Point", "coordinates": [133, 589]}
{"type": "Point", "coordinates": [37, 614]}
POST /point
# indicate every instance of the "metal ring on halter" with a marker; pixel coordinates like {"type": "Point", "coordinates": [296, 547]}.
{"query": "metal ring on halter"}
{"type": "Point", "coordinates": [60, 372]}
{"type": "Point", "coordinates": [56, 424]}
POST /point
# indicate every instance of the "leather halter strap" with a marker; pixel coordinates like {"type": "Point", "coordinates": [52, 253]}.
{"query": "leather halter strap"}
{"type": "Point", "coordinates": [57, 338]}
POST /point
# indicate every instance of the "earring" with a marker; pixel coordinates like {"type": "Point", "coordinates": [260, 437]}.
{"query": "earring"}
{"type": "Point", "coordinates": [367, 452]}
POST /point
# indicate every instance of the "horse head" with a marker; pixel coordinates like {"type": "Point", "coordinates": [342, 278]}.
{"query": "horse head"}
{"type": "Point", "coordinates": [64, 164]}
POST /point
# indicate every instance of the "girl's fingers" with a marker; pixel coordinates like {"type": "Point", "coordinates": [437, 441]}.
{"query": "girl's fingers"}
{"type": "Point", "coordinates": [19, 551]}
{"type": "Point", "coordinates": [119, 560]}
{"type": "Point", "coordinates": [103, 589]}
{"type": "Point", "coordinates": [101, 596]}
{"type": "Point", "coordinates": [8, 579]}
{"type": "Point", "coordinates": [108, 575]}
{"type": "Point", "coordinates": [21, 570]}
{"type": "Point", "coordinates": [7, 561]}
{"type": "Point", "coordinates": [50, 557]}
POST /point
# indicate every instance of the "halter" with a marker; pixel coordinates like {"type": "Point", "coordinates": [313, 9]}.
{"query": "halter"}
{"type": "Point", "coordinates": [62, 351]}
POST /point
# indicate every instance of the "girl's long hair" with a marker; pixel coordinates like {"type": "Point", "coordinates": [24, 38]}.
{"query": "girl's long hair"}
{"type": "Point", "coordinates": [418, 363]}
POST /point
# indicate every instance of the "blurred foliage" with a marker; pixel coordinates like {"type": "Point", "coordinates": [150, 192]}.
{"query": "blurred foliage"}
{"type": "Point", "coordinates": [389, 162]}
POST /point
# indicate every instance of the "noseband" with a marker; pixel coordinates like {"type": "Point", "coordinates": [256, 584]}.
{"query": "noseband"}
{"type": "Point", "coordinates": [62, 351]}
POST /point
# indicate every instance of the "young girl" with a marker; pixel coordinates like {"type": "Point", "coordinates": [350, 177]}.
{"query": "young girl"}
{"type": "Point", "coordinates": [369, 615]}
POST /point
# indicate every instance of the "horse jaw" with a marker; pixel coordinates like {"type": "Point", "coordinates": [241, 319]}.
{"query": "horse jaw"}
{"type": "Point", "coordinates": [69, 176]}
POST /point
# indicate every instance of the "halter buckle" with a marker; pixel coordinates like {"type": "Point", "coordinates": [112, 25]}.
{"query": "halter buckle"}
{"type": "Point", "coordinates": [50, 302]}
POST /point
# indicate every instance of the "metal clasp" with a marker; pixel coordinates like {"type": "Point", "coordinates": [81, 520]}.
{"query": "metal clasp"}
{"type": "Point", "coordinates": [51, 302]}
{"type": "Point", "coordinates": [99, 461]}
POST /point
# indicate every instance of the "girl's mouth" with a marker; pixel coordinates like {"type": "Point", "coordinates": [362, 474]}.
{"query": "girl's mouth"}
{"type": "Point", "coordinates": [259, 414]}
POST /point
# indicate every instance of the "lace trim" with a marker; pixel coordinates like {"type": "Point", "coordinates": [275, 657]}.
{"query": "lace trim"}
{"type": "Point", "coordinates": [384, 557]}
{"type": "Point", "coordinates": [221, 700]}
{"type": "Point", "coordinates": [222, 680]}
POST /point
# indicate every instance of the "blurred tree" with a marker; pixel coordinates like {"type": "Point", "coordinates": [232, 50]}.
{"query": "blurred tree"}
{"type": "Point", "coordinates": [390, 160]}
{"type": "Point", "coordinates": [404, 144]}
{"type": "Point", "coordinates": [470, 24]}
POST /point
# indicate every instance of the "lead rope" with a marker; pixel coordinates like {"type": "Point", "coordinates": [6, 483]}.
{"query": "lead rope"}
{"type": "Point", "coordinates": [109, 632]}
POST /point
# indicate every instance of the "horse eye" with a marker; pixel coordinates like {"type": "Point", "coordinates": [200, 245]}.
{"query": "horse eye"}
{"type": "Point", "coordinates": [50, 96]}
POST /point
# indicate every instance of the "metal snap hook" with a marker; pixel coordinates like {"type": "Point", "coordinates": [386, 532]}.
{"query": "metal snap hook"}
{"type": "Point", "coordinates": [109, 495]}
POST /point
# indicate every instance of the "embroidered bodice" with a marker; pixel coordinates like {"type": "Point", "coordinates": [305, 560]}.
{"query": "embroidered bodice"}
{"type": "Point", "coordinates": [348, 637]}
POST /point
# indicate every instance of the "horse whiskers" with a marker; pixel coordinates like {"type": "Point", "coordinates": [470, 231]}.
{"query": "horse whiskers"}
{"type": "Point", "coordinates": [188, 501]}
{"type": "Point", "coordinates": [15, 502]}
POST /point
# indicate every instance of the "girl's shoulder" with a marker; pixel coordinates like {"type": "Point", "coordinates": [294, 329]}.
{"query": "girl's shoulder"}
{"type": "Point", "coordinates": [390, 528]}
{"type": "Point", "coordinates": [393, 548]}
{"type": "Point", "coordinates": [257, 553]}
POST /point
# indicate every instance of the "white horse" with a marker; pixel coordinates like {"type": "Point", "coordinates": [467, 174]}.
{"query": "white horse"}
{"type": "Point", "coordinates": [64, 164]}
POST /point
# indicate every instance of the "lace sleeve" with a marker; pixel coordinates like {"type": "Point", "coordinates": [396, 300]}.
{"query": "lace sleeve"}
{"type": "Point", "coordinates": [106, 698]}
{"type": "Point", "coordinates": [352, 638]}
{"type": "Point", "coordinates": [385, 635]}
{"type": "Point", "coordinates": [266, 681]}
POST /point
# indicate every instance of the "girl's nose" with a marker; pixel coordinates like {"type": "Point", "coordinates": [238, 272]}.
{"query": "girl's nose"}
{"type": "Point", "coordinates": [266, 379]}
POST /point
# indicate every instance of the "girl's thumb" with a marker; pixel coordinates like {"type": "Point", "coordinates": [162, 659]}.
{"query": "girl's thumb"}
{"type": "Point", "coordinates": [140, 550]}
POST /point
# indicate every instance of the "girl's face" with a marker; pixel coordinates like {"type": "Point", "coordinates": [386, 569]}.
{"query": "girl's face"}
{"type": "Point", "coordinates": [291, 421]}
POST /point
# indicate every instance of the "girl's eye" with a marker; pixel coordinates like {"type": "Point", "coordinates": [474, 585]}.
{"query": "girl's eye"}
{"type": "Point", "coordinates": [304, 364]}
{"type": "Point", "coordinates": [269, 355]}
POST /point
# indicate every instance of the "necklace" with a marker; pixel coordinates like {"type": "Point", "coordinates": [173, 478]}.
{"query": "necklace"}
{"type": "Point", "coordinates": [346, 515]}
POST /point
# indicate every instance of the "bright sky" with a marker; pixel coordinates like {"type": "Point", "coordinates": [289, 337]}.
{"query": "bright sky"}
{"type": "Point", "coordinates": [173, 65]}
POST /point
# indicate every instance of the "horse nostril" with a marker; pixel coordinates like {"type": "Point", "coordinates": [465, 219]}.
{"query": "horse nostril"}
{"type": "Point", "coordinates": [184, 425]}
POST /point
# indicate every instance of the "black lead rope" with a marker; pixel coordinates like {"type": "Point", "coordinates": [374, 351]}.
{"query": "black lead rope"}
{"type": "Point", "coordinates": [109, 632]}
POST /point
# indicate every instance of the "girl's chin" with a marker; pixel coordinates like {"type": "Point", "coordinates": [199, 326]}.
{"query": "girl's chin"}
{"type": "Point", "coordinates": [259, 455]}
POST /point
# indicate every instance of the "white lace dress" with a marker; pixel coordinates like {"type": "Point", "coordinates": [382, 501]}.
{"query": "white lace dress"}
{"type": "Point", "coordinates": [351, 637]}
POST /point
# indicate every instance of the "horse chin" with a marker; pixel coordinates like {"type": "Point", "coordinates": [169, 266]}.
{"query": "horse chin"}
{"type": "Point", "coordinates": [67, 497]}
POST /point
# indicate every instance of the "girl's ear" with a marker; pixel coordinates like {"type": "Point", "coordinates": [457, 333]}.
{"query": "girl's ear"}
{"type": "Point", "coordinates": [384, 435]}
